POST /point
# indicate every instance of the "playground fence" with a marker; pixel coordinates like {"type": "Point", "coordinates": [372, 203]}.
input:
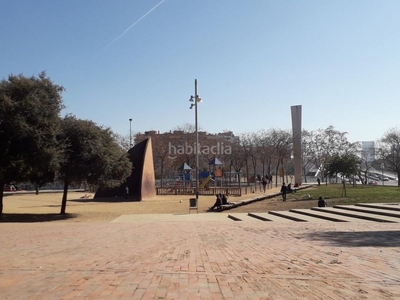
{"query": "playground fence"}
{"type": "Point", "coordinates": [233, 191]}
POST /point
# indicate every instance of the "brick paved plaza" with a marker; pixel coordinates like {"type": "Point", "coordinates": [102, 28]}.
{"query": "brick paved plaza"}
{"type": "Point", "coordinates": [199, 257]}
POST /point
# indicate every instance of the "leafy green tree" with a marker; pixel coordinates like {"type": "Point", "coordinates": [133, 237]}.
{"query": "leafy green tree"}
{"type": "Point", "coordinates": [90, 154]}
{"type": "Point", "coordinates": [29, 123]}
{"type": "Point", "coordinates": [345, 166]}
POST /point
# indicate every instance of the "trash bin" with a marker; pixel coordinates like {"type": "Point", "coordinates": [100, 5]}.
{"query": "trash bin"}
{"type": "Point", "coordinates": [193, 202]}
{"type": "Point", "coordinates": [193, 205]}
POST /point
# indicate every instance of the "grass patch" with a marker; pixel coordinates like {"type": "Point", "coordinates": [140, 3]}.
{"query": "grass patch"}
{"type": "Point", "coordinates": [355, 194]}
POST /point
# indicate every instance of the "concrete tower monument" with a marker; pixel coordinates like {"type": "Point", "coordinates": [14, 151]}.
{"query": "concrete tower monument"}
{"type": "Point", "coordinates": [296, 129]}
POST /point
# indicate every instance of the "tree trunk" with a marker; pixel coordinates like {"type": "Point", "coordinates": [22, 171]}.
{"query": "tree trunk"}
{"type": "Point", "coordinates": [304, 173]}
{"type": "Point", "coordinates": [37, 189]}
{"type": "Point", "coordinates": [344, 192]}
{"type": "Point", "coordinates": [1, 196]}
{"type": "Point", "coordinates": [240, 182]}
{"type": "Point", "coordinates": [247, 173]}
{"type": "Point", "coordinates": [64, 198]}
{"type": "Point", "coordinates": [263, 168]}
{"type": "Point", "coordinates": [162, 175]}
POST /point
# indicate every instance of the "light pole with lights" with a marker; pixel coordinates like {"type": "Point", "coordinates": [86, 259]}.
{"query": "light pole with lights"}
{"type": "Point", "coordinates": [195, 100]}
{"type": "Point", "coordinates": [130, 133]}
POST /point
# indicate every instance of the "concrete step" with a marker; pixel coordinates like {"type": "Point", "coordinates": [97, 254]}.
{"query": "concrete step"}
{"type": "Point", "coordinates": [323, 215]}
{"type": "Point", "coordinates": [193, 217]}
{"type": "Point", "coordinates": [395, 207]}
{"type": "Point", "coordinates": [287, 215]}
{"type": "Point", "coordinates": [313, 217]}
{"type": "Point", "coordinates": [268, 217]}
{"type": "Point", "coordinates": [243, 217]}
{"type": "Point", "coordinates": [370, 210]}
{"type": "Point", "coordinates": [355, 214]}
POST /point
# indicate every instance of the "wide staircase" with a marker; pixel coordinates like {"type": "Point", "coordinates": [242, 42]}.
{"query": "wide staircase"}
{"type": "Point", "coordinates": [361, 212]}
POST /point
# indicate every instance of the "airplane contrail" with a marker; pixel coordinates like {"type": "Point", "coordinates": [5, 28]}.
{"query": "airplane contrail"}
{"type": "Point", "coordinates": [126, 30]}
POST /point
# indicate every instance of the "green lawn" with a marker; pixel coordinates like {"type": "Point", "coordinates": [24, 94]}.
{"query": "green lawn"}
{"type": "Point", "coordinates": [355, 194]}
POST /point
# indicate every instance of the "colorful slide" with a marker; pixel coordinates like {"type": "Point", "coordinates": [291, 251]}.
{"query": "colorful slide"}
{"type": "Point", "coordinates": [205, 181]}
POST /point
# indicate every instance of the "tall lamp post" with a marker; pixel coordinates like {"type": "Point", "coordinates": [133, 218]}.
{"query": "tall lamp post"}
{"type": "Point", "coordinates": [130, 133]}
{"type": "Point", "coordinates": [382, 167]}
{"type": "Point", "coordinates": [195, 100]}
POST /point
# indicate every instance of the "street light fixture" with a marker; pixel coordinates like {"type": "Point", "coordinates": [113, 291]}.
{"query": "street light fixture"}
{"type": "Point", "coordinates": [382, 167]}
{"type": "Point", "coordinates": [130, 133]}
{"type": "Point", "coordinates": [196, 99]}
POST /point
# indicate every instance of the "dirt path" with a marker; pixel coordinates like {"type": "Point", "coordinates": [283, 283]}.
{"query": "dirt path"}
{"type": "Point", "coordinates": [86, 209]}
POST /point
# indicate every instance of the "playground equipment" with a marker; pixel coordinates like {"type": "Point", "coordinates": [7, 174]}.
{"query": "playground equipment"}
{"type": "Point", "coordinates": [205, 181]}
{"type": "Point", "coordinates": [182, 175]}
{"type": "Point", "coordinates": [215, 170]}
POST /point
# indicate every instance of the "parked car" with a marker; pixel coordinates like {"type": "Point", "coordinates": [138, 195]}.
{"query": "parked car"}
{"type": "Point", "coordinates": [373, 176]}
{"type": "Point", "coordinates": [383, 178]}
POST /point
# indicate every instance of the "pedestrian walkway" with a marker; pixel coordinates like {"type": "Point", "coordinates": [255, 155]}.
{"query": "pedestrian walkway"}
{"type": "Point", "coordinates": [199, 257]}
{"type": "Point", "coordinates": [337, 213]}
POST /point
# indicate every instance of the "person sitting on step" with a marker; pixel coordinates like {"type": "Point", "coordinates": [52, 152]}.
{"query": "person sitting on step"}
{"type": "Point", "coordinates": [217, 203]}
{"type": "Point", "coordinates": [289, 189]}
{"type": "Point", "coordinates": [322, 202]}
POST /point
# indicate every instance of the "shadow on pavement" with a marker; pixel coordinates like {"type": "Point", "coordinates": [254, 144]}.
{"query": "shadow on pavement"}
{"type": "Point", "coordinates": [32, 218]}
{"type": "Point", "coordinates": [358, 239]}
{"type": "Point", "coordinates": [116, 199]}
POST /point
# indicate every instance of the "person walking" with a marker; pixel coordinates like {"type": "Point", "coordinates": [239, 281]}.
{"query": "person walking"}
{"type": "Point", "coordinates": [126, 192]}
{"type": "Point", "coordinates": [284, 191]}
{"type": "Point", "coordinates": [264, 183]}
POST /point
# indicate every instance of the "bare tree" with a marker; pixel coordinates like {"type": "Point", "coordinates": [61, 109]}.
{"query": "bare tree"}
{"type": "Point", "coordinates": [308, 156]}
{"type": "Point", "coordinates": [283, 145]}
{"type": "Point", "coordinates": [326, 142]}
{"type": "Point", "coordinates": [365, 163]}
{"type": "Point", "coordinates": [389, 151]}
{"type": "Point", "coordinates": [265, 150]}
{"type": "Point", "coordinates": [247, 143]}
{"type": "Point", "coordinates": [187, 128]}
{"type": "Point", "coordinates": [237, 161]}
{"type": "Point", "coordinates": [122, 140]}
{"type": "Point", "coordinates": [160, 156]}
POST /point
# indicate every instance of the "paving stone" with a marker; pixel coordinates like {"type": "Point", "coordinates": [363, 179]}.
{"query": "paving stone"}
{"type": "Point", "coordinates": [164, 258]}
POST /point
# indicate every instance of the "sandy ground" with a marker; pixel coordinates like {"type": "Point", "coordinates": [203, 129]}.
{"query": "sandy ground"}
{"type": "Point", "coordinates": [46, 206]}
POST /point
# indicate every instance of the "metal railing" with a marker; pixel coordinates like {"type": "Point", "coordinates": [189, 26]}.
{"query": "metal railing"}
{"type": "Point", "coordinates": [234, 191]}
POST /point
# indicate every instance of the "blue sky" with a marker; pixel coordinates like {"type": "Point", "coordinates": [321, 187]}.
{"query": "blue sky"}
{"type": "Point", "coordinates": [253, 59]}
